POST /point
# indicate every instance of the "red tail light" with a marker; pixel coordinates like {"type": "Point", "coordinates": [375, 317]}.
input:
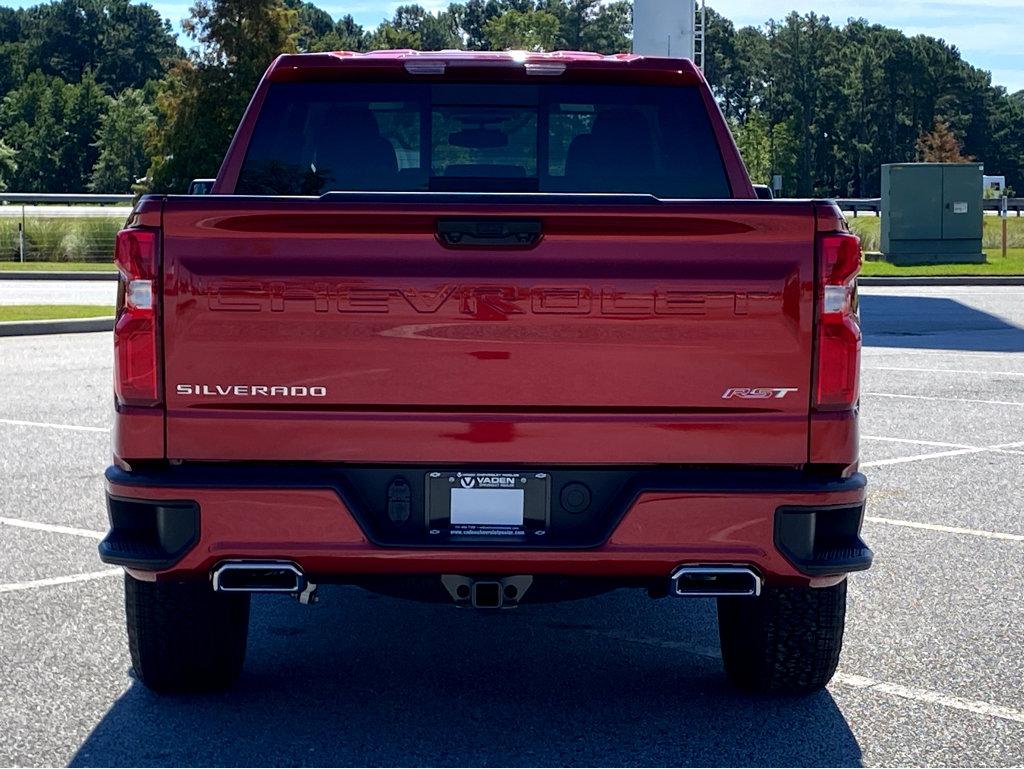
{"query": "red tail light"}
{"type": "Point", "coordinates": [136, 344]}
{"type": "Point", "coordinates": [837, 379]}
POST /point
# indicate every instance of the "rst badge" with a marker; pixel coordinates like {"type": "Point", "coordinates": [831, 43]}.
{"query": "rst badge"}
{"type": "Point", "coordinates": [758, 393]}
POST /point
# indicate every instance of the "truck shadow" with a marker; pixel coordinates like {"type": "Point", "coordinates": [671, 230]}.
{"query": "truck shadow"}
{"type": "Point", "coordinates": [935, 323]}
{"type": "Point", "coordinates": [364, 680]}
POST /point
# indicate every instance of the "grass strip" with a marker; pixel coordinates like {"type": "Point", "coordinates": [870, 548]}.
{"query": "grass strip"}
{"type": "Point", "coordinates": [11, 312]}
{"type": "Point", "coordinates": [57, 267]}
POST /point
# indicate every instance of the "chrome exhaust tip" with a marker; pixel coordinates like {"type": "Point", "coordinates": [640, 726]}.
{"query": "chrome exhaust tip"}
{"type": "Point", "coordinates": [714, 581]}
{"type": "Point", "coordinates": [258, 577]}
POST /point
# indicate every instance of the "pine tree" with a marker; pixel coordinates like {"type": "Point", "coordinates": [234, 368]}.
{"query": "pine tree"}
{"type": "Point", "coordinates": [528, 31]}
{"type": "Point", "coordinates": [8, 165]}
{"type": "Point", "coordinates": [122, 144]}
{"type": "Point", "coordinates": [940, 145]}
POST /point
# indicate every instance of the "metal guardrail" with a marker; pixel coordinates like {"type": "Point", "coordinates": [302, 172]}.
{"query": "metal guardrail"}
{"type": "Point", "coordinates": [29, 234]}
{"type": "Point", "coordinates": [31, 228]}
{"type": "Point", "coordinates": [60, 197]}
{"type": "Point", "coordinates": [847, 204]}
{"type": "Point", "coordinates": [859, 204]}
{"type": "Point", "coordinates": [875, 204]}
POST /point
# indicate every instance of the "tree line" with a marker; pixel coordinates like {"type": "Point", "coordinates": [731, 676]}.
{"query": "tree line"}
{"type": "Point", "coordinates": [824, 106]}
{"type": "Point", "coordinates": [99, 95]}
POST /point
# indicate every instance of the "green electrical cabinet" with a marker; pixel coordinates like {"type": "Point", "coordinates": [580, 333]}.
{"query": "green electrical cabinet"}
{"type": "Point", "coordinates": [931, 213]}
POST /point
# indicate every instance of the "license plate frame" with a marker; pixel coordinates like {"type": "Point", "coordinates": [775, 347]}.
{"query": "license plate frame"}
{"type": "Point", "coordinates": [495, 516]}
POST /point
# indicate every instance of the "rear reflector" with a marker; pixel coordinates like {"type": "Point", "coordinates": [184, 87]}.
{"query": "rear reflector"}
{"type": "Point", "coordinates": [136, 346]}
{"type": "Point", "coordinates": [837, 376]}
{"type": "Point", "coordinates": [139, 295]}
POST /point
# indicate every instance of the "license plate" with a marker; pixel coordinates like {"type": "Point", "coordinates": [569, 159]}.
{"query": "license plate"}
{"type": "Point", "coordinates": [487, 505]}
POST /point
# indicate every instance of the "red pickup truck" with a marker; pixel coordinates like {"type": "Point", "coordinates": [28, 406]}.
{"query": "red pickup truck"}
{"type": "Point", "coordinates": [490, 329]}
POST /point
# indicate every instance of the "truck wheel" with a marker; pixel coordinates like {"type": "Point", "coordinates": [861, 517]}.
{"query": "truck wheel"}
{"type": "Point", "coordinates": [183, 637]}
{"type": "Point", "coordinates": [785, 641]}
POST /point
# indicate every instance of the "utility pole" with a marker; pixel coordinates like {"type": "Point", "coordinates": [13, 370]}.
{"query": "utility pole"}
{"type": "Point", "coordinates": [1004, 214]}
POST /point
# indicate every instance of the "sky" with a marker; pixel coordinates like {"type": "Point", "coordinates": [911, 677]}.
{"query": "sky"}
{"type": "Point", "coordinates": [989, 33]}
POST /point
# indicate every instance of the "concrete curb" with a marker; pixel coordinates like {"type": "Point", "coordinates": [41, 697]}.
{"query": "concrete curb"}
{"type": "Point", "coordinates": [69, 326]}
{"type": "Point", "coordinates": [946, 280]}
{"type": "Point", "coordinates": [58, 275]}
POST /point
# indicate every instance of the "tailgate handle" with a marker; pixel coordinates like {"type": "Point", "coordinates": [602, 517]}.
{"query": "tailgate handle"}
{"type": "Point", "coordinates": [489, 233]}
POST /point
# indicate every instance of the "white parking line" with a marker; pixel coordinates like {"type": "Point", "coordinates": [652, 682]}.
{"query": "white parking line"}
{"type": "Point", "coordinates": [946, 400]}
{"type": "Point", "coordinates": [882, 349]}
{"type": "Point", "coordinates": [1000, 448]}
{"type": "Point", "coordinates": [921, 457]}
{"type": "Point", "coordinates": [943, 371]}
{"type": "Point", "coordinates": [52, 426]}
{"type": "Point", "coordinates": [35, 525]}
{"type": "Point", "coordinates": [947, 529]}
{"type": "Point", "coordinates": [914, 441]}
{"type": "Point", "coordinates": [997, 449]}
{"type": "Point", "coordinates": [942, 292]}
{"type": "Point", "coordinates": [11, 587]}
{"type": "Point", "coordinates": [1006, 447]}
{"type": "Point", "coordinates": [930, 697]}
{"type": "Point", "coordinates": [927, 696]}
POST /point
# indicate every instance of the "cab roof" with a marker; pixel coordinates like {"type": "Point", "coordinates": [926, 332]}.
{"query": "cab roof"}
{"type": "Point", "coordinates": [480, 64]}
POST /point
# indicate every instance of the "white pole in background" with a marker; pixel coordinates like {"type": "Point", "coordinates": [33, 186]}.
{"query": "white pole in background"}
{"type": "Point", "coordinates": [1004, 214]}
{"type": "Point", "coordinates": [665, 28]}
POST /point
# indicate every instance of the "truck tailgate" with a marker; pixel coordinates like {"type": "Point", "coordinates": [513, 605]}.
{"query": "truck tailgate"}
{"type": "Point", "coordinates": [311, 329]}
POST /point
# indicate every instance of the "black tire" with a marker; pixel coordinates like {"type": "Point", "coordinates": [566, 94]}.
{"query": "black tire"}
{"type": "Point", "coordinates": [183, 637]}
{"type": "Point", "coordinates": [786, 641]}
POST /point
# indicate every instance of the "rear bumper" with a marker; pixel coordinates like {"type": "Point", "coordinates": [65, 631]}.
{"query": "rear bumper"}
{"type": "Point", "coordinates": [179, 522]}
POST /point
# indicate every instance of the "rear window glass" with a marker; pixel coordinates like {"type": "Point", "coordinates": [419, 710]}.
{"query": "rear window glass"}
{"type": "Point", "coordinates": [313, 138]}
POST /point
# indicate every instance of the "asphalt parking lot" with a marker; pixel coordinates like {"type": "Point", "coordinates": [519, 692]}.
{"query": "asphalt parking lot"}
{"type": "Point", "coordinates": [932, 673]}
